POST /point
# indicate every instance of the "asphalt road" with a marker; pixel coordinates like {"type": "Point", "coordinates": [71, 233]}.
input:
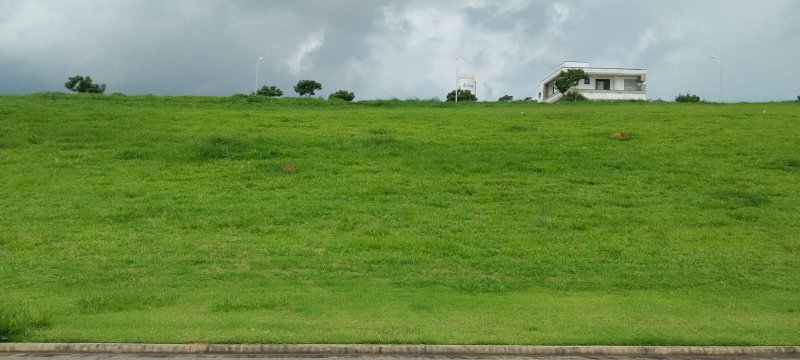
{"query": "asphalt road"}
{"type": "Point", "coordinates": [41, 356]}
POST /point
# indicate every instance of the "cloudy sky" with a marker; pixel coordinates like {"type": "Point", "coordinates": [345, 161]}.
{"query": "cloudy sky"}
{"type": "Point", "coordinates": [398, 48]}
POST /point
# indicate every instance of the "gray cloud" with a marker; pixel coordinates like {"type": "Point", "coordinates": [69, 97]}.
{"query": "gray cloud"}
{"type": "Point", "coordinates": [381, 49]}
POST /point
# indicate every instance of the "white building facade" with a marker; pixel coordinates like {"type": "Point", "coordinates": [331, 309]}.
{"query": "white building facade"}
{"type": "Point", "coordinates": [603, 83]}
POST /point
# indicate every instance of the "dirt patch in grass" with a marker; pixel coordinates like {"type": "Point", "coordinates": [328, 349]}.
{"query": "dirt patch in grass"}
{"type": "Point", "coordinates": [619, 136]}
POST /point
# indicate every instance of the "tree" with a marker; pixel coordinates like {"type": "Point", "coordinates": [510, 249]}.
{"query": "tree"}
{"type": "Point", "coordinates": [269, 91]}
{"type": "Point", "coordinates": [83, 84]}
{"type": "Point", "coordinates": [343, 95]}
{"type": "Point", "coordinates": [463, 95]}
{"type": "Point", "coordinates": [307, 87]}
{"type": "Point", "coordinates": [566, 80]}
{"type": "Point", "coordinates": [506, 98]}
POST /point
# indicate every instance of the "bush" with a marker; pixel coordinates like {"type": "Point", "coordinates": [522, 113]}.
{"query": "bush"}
{"type": "Point", "coordinates": [342, 95]}
{"type": "Point", "coordinates": [83, 84]}
{"type": "Point", "coordinates": [687, 98]}
{"type": "Point", "coordinates": [572, 96]}
{"type": "Point", "coordinates": [463, 95]}
{"type": "Point", "coordinates": [506, 98]}
{"type": "Point", "coordinates": [270, 91]}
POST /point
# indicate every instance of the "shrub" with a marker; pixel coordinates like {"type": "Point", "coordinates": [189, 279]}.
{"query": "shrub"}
{"type": "Point", "coordinates": [572, 96]}
{"type": "Point", "coordinates": [83, 84]}
{"type": "Point", "coordinates": [463, 95]}
{"type": "Point", "coordinates": [687, 98]}
{"type": "Point", "coordinates": [270, 91]}
{"type": "Point", "coordinates": [342, 95]}
{"type": "Point", "coordinates": [506, 98]}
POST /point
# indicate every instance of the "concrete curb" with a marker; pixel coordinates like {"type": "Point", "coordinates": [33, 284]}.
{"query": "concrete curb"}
{"type": "Point", "coordinates": [366, 349]}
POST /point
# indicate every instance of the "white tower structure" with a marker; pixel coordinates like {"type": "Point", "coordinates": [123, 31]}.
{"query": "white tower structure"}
{"type": "Point", "coordinates": [467, 82]}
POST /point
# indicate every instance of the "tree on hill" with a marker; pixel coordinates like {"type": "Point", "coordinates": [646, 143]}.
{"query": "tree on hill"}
{"type": "Point", "coordinates": [83, 84]}
{"type": "Point", "coordinates": [568, 79]}
{"type": "Point", "coordinates": [506, 98]}
{"type": "Point", "coordinates": [343, 95]}
{"type": "Point", "coordinates": [687, 98]}
{"type": "Point", "coordinates": [463, 95]}
{"type": "Point", "coordinates": [307, 87]}
{"type": "Point", "coordinates": [270, 91]}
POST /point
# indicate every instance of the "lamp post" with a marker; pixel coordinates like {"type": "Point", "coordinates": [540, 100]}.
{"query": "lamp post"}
{"type": "Point", "coordinates": [255, 89]}
{"type": "Point", "coordinates": [456, 79]}
{"type": "Point", "coordinates": [721, 99]}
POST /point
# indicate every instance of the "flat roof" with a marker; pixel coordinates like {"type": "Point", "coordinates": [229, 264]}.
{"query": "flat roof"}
{"type": "Point", "coordinates": [588, 69]}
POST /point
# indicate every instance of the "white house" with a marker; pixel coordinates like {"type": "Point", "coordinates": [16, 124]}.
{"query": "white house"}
{"type": "Point", "coordinates": [603, 83]}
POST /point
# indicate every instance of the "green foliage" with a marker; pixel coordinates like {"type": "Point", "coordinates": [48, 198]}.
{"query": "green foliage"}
{"type": "Point", "coordinates": [270, 91]}
{"type": "Point", "coordinates": [687, 98]}
{"type": "Point", "coordinates": [463, 95]}
{"type": "Point", "coordinates": [83, 84]}
{"type": "Point", "coordinates": [506, 98]}
{"type": "Point", "coordinates": [342, 95]}
{"type": "Point", "coordinates": [572, 96]}
{"type": "Point", "coordinates": [307, 87]}
{"type": "Point", "coordinates": [569, 79]}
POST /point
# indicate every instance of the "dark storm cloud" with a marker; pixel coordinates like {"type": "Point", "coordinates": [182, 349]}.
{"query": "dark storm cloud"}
{"type": "Point", "coordinates": [397, 48]}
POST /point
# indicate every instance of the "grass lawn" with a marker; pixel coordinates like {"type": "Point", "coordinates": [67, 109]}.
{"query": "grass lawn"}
{"type": "Point", "coordinates": [172, 220]}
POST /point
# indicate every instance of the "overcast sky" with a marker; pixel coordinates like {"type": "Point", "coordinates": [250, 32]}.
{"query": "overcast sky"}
{"type": "Point", "coordinates": [403, 48]}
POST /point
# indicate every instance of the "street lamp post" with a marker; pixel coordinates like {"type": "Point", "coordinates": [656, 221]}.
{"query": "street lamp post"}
{"type": "Point", "coordinates": [255, 89]}
{"type": "Point", "coordinates": [721, 98]}
{"type": "Point", "coordinates": [456, 80]}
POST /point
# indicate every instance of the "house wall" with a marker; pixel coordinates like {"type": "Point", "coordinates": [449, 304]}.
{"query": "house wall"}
{"type": "Point", "coordinates": [617, 91]}
{"type": "Point", "coordinates": [613, 95]}
{"type": "Point", "coordinates": [617, 82]}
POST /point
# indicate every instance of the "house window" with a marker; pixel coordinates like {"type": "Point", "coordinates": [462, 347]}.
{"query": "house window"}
{"type": "Point", "coordinates": [586, 81]}
{"type": "Point", "coordinates": [632, 85]}
{"type": "Point", "coordinates": [602, 84]}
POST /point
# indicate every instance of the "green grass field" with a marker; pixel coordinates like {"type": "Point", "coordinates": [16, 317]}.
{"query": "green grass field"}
{"type": "Point", "coordinates": [171, 220]}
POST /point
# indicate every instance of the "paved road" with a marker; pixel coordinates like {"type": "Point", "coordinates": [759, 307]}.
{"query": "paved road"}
{"type": "Point", "coordinates": [40, 356]}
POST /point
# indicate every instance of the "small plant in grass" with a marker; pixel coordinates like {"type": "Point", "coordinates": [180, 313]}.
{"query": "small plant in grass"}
{"type": "Point", "coordinates": [15, 325]}
{"type": "Point", "coordinates": [687, 98]}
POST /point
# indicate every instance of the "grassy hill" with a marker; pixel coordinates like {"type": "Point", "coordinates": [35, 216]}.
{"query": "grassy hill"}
{"type": "Point", "coordinates": [175, 219]}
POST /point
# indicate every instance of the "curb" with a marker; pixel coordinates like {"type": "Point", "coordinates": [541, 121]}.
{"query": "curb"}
{"type": "Point", "coordinates": [366, 349]}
